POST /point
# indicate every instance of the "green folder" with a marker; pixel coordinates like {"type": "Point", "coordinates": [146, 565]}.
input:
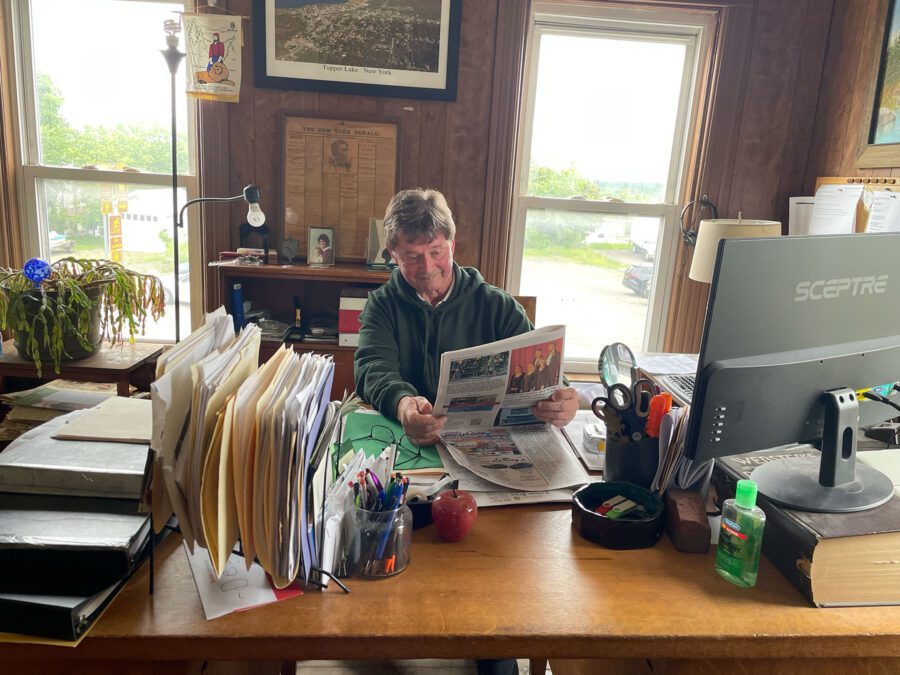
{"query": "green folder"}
{"type": "Point", "coordinates": [371, 432]}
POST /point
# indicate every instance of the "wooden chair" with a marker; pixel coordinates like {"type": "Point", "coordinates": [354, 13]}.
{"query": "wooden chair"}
{"type": "Point", "coordinates": [529, 304]}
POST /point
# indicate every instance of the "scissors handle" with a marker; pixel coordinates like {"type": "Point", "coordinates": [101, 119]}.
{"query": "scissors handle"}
{"type": "Point", "coordinates": [643, 392]}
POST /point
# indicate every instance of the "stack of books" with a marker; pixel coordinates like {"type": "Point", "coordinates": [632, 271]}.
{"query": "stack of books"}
{"type": "Point", "coordinates": [322, 330]}
{"type": "Point", "coordinates": [834, 559]}
{"type": "Point", "coordinates": [70, 531]}
{"type": "Point", "coordinates": [31, 408]}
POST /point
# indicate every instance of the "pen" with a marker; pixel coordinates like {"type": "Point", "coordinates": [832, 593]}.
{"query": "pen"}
{"type": "Point", "coordinates": [389, 526]}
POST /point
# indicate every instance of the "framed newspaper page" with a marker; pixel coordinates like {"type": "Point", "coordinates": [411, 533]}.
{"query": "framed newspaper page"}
{"type": "Point", "coordinates": [337, 174]}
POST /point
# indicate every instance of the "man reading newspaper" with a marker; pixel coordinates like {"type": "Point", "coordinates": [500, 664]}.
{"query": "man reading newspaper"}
{"type": "Point", "coordinates": [431, 306]}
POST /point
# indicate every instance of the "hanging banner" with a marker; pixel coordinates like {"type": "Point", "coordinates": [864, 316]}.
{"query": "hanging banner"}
{"type": "Point", "coordinates": [213, 45]}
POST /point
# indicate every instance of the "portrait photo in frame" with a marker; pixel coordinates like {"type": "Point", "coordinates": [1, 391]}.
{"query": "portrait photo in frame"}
{"type": "Point", "coordinates": [407, 51]}
{"type": "Point", "coordinates": [321, 247]}
{"type": "Point", "coordinates": [882, 143]}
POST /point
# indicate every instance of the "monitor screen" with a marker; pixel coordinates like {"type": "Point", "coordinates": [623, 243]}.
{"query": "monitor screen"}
{"type": "Point", "coordinates": [790, 319]}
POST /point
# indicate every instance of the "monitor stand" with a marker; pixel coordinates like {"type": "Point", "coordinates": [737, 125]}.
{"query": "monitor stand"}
{"type": "Point", "coordinates": [836, 483]}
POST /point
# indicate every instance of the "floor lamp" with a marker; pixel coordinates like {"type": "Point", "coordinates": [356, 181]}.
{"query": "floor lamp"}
{"type": "Point", "coordinates": [173, 59]}
{"type": "Point", "coordinates": [250, 194]}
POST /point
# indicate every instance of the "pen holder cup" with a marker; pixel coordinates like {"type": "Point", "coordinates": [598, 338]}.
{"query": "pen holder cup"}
{"type": "Point", "coordinates": [627, 532]}
{"type": "Point", "coordinates": [378, 543]}
{"type": "Point", "coordinates": [634, 462]}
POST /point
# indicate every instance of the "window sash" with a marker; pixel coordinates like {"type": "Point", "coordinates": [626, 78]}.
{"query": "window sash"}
{"type": "Point", "coordinates": [690, 29]}
{"type": "Point", "coordinates": [35, 238]}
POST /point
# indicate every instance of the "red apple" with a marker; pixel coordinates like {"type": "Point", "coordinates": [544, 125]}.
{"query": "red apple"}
{"type": "Point", "coordinates": [454, 513]}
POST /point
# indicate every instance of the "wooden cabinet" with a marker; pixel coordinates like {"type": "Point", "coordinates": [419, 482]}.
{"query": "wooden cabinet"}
{"type": "Point", "coordinates": [274, 287]}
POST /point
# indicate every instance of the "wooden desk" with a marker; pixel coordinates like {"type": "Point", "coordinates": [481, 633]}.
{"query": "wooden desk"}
{"type": "Point", "coordinates": [110, 364]}
{"type": "Point", "coordinates": [522, 584]}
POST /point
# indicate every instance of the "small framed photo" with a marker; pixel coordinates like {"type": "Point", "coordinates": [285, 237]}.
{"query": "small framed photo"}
{"type": "Point", "coordinates": [378, 256]}
{"type": "Point", "coordinates": [321, 246]}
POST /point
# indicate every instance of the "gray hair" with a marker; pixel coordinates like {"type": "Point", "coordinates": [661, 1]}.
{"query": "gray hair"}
{"type": "Point", "coordinates": [418, 214]}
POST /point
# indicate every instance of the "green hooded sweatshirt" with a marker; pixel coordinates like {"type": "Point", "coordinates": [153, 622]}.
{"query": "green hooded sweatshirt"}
{"type": "Point", "coordinates": [402, 337]}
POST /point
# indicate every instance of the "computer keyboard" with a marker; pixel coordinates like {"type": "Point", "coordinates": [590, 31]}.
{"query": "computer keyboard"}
{"type": "Point", "coordinates": [681, 386]}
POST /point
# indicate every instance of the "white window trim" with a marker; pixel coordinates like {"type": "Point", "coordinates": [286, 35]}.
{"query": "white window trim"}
{"type": "Point", "coordinates": [694, 30]}
{"type": "Point", "coordinates": [35, 238]}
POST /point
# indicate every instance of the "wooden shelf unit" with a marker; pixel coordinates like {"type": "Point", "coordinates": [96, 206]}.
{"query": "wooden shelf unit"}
{"type": "Point", "coordinates": [274, 287]}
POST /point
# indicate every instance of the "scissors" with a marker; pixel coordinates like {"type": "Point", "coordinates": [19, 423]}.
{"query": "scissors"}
{"type": "Point", "coordinates": [604, 410]}
{"type": "Point", "coordinates": [625, 409]}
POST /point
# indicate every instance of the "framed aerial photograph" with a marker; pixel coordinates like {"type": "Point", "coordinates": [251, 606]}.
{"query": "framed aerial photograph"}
{"type": "Point", "coordinates": [882, 145]}
{"type": "Point", "coordinates": [400, 48]}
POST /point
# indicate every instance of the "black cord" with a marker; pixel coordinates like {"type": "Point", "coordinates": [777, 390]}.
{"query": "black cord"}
{"type": "Point", "coordinates": [872, 396]}
{"type": "Point", "coordinates": [688, 234]}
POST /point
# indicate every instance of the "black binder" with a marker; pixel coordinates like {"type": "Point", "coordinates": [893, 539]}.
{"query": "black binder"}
{"type": "Point", "coordinates": [59, 617]}
{"type": "Point", "coordinates": [66, 546]}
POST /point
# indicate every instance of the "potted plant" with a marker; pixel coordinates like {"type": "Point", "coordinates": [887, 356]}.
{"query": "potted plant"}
{"type": "Point", "coordinates": [63, 311]}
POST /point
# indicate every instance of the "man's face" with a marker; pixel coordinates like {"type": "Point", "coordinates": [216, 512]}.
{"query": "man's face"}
{"type": "Point", "coordinates": [427, 266]}
{"type": "Point", "coordinates": [341, 151]}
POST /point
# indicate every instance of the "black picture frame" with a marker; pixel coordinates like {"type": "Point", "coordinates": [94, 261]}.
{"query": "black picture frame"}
{"type": "Point", "coordinates": [880, 148]}
{"type": "Point", "coordinates": [372, 79]}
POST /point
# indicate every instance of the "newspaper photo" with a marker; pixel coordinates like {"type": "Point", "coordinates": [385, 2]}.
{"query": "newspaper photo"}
{"type": "Point", "coordinates": [488, 394]}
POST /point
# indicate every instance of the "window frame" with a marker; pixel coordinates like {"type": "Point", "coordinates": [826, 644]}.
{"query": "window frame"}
{"type": "Point", "coordinates": [694, 29]}
{"type": "Point", "coordinates": [29, 170]}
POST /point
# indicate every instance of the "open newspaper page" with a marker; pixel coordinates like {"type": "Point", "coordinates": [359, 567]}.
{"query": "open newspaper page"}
{"type": "Point", "coordinates": [487, 394]}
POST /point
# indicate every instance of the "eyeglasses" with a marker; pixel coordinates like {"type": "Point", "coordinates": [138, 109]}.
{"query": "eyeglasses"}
{"type": "Point", "coordinates": [409, 454]}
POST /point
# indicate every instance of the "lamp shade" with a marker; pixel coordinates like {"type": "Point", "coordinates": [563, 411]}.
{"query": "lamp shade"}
{"type": "Point", "coordinates": [711, 231]}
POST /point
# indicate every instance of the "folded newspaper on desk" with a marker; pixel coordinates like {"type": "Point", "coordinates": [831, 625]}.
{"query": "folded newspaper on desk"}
{"type": "Point", "coordinates": [491, 436]}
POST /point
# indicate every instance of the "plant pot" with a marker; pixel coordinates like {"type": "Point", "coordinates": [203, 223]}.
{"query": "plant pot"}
{"type": "Point", "coordinates": [73, 349]}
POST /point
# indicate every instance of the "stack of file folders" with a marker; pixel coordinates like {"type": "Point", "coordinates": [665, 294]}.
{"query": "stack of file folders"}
{"type": "Point", "coordinates": [70, 531]}
{"type": "Point", "coordinates": [239, 449]}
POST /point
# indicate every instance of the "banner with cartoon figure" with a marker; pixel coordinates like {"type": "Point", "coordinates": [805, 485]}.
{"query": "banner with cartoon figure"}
{"type": "Point", "coordinates": [213, 44]}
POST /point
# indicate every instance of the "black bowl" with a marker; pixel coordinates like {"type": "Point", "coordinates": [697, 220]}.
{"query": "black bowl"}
{"type": "Point", "coordinates": [622, 533]}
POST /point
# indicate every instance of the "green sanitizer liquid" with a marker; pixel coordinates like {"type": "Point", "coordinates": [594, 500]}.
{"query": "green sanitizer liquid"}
{"type": "Point", "coordinates": [740, 539]}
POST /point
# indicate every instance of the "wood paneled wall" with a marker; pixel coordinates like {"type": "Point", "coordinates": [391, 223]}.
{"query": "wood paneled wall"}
{"type": "Point", "coordinates": [847, 92]}
{"type": "Point", "coordinates": [795, 78]}
{"type": "Point", "coordinates": [442, 144]}
{"type": "Point", "coordinates": [769, 62]}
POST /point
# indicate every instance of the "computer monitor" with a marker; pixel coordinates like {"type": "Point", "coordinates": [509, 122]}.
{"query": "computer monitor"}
{"type": "Point", "coordinates": [796, 329]}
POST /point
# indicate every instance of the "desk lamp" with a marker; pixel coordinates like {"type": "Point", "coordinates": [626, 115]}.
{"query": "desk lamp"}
{"type": "Point", "coordinates": [255, 217]}
{"type": "Point", "coordinates": [712, 230]}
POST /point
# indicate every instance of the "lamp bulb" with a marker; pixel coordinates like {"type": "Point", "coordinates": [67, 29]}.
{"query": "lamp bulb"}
{"type": "Point", "coordinates": [255, 216]}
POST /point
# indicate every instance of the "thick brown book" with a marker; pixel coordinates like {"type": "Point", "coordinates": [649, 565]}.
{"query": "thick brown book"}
{"type": "Point", "coordinates": [834, 559]}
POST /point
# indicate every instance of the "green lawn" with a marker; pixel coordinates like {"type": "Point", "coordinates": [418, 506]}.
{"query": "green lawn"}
{"type": "Point", "coordinates": [594, 255]}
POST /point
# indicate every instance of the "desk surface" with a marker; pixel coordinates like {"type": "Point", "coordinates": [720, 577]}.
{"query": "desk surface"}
{"type": "Point", "coordinates": [521, 584]}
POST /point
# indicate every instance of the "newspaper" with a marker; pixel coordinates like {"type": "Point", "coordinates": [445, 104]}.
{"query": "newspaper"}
{"type": "Point", "coordinates": [488, 393]}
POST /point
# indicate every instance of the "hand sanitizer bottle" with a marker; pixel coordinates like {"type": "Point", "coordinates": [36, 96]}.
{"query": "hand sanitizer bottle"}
{"type": "Point", "coordinates": [740, 538]}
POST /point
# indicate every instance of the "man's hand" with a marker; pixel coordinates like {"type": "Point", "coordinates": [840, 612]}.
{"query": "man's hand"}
{"type": "Point", "coordinates": [559, 409]}
{"type": "Point", "coordinates": [414, 413]}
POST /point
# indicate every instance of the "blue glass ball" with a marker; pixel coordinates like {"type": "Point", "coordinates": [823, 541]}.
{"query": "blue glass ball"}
{"type": "Point", "coordinates": [37, 270]}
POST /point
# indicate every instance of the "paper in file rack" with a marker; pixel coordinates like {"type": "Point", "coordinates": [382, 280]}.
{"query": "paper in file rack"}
{"type": "Point", "coordinates": [38, 463]}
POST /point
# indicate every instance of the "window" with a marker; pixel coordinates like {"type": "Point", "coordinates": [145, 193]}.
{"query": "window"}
{"type": "Point", "coordinates": [95, 136]}
{"type": "Point", "coordinates": [606, 109]}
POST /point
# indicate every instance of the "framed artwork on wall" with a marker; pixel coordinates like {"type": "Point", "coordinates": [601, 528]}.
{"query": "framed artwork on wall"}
{"type": "Point", "coordinates": [404, 49]}
{"type": "Point", "coordinates": [882, 143]}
